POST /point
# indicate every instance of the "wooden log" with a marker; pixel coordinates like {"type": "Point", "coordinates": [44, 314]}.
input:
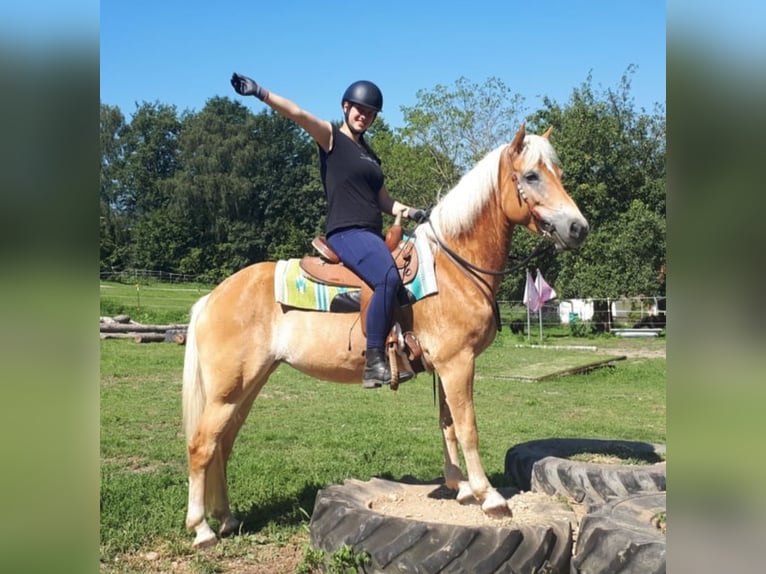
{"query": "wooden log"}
{"type": "Point", "coordinates": [137, 328]}
{"type": "Point", "coordinates": [150, 338]}
{"type": "Point", "coordinates": [172, 336]}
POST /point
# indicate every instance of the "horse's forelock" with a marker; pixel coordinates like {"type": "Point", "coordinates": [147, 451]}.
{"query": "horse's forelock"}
{"type": "Point", "coordinates": [459, 208]}
{"type": "Point", "coordinates": [538, 149]}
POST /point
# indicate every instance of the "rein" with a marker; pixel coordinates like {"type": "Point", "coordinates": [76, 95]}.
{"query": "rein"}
{"type": "Point", "coordinates": [472, 271]}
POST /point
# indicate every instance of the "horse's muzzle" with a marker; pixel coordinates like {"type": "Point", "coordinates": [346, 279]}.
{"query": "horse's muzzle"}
{"type": "Point", "coordinates": [578, 231]}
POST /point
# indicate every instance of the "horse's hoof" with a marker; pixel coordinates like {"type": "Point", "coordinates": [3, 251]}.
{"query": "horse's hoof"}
{"type": "Point", "coordinates": [204, 543]}
{"type": "Point", "coordinates": [465, 494]}
{"type": "Point", "coordinates": [229, 525]}
{"type": "Point", "coordinates": [205, 537]}
{"type": "Point", "coordinates": [496, 506]}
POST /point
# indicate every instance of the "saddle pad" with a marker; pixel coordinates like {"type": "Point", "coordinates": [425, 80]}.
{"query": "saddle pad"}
{"type": "Point", "coordinates": [294, 288]}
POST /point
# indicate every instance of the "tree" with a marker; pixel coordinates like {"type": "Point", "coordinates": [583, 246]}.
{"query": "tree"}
{"type": "Point", "coordinates": [633, 246]}
{"type": "Point", "coordinates": [459, 125]}
{"type": "Point", "coordinates": [454, 127]}
{"type": "Point", "coordinates": [113, 240]}
{"type": "Point", "coordinates": [150, 148]}
{"type": "Point", "coordinates": [613, 158]}
{"type": "Point", "coordinates": [247, 189]}
{"type": "Point", "coordinates": [410, 171]}
{"type": "Point", "coordinates": [214, 191]}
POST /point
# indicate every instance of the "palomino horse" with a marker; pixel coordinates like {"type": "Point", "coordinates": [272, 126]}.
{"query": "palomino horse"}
{"type": "Point", "coordinates": [239, 333]}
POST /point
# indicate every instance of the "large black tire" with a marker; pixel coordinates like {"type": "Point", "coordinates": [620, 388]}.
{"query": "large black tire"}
{"type": "Point", "coordinates": [621, 537]}
{"type": "Point", "coordinates": [542, 466]}
{"type": "Point", "coordinates": [343, 515]}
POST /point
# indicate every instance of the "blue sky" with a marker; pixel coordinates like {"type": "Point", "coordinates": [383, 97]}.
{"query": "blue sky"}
{"type": "Point", "coordinates": [183, 53]}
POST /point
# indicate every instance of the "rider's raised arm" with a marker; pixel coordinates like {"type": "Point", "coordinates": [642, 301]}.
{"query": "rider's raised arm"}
{"type": "Point", "coordinates": [319, 129]}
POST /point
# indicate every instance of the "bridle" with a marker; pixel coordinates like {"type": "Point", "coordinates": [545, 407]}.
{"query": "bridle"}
{"type": "Point", "coordinates": [546, 228]}
{"type": "Point", "coordinates": [473, 271]}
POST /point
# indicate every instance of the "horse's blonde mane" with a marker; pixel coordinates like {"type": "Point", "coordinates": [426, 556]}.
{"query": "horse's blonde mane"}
{"type": "Point", "coordinates": [460, 207]}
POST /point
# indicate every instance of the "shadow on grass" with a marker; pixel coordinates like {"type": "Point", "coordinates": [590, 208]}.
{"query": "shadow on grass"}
{"type": "Point", "coordinates": [284, 511]}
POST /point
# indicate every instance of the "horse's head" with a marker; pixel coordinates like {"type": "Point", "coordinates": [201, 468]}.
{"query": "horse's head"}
{"type": "Point", "coordinates": [533, 195]}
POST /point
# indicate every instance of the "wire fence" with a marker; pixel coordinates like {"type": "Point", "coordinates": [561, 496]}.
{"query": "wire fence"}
{"type": "Point", "coordinates": [146, 276]}
{"type": "Point", "coordinates": [581, 316]}
{"type": "Point", "coordinates": [147, 289]}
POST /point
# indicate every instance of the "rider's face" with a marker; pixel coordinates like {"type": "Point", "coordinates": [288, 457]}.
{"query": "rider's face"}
{"type": "Point", "coordinates": [359, 116]}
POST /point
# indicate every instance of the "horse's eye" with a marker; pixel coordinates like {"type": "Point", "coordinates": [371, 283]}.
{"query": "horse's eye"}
{"type": "Point", "coordinates": [531, 177]}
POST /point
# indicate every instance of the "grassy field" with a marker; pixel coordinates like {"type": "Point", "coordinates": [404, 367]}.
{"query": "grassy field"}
{"type": "Point", "coordinates": [304, 434]}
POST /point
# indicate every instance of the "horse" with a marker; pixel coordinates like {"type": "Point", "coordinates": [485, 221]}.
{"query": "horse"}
{"type": "Point", "coordinates": [239, 334]}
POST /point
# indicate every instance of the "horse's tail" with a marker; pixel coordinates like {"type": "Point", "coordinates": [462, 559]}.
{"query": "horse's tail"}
{"type": "Point", "coordinates": [193, 388]}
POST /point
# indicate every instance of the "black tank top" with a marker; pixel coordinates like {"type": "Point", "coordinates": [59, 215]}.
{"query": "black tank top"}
{"type": "Point", "coordinates": [352, 178]}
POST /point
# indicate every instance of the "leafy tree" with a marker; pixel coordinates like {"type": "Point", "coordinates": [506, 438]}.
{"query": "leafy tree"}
{"type": "Point", "coordinates": [458, 125]}
{"type": "Point", "coordinates": [111, 129]}
{"type": "Point", "coordinates": [150, 148]}
{"type": "Point", "coordinates": [454, 127]}
{"type": "Point", "coordinates": [113, 239]}
{"type": "Point", "coordinates": [214, 191]}
{"type": "Point", "coordinates": [631, 245]}
{"type": "Point", "coordinates": [410, 171]}
{"type": "Point", "coordinates": [247, 190]}
{"type": "Point", "coordinates": [614, 167]}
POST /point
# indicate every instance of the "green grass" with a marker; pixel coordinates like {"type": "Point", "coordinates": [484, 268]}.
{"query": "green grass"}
{"type": "Point", "coordinates": [303, 434]}
{"type": "Point", "coordinates": [151, 303]}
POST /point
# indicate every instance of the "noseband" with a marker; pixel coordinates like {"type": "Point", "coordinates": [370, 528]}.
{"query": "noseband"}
{"type": "Point", "coordinates": [473, 271]}
{"type": "Point", "coordinates": [546, 229]}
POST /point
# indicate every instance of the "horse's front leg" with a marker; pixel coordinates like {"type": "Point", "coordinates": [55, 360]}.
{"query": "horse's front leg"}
{"type": "Point", "coordinates": [453, 476]}
{"type": "Point", "coordinates": [457, 389]}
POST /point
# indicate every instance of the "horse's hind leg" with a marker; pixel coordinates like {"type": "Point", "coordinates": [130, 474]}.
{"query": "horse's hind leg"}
{"type": "Point", "coordinates": [217, 489]}
{"type": "Point", "coordinates": [206, 483]}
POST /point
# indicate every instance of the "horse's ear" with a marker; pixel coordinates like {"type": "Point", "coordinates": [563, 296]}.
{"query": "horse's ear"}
{"type": "Point", "coordinates": [518, 140]}
{"type": "Point", "coordinates": [547, 134]}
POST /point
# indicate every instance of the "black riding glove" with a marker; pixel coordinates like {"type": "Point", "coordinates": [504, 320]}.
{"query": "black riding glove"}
{"type": "Point", "coordinates": [244, 86]}
{"type": "Point", "coordinates": [417, 215]}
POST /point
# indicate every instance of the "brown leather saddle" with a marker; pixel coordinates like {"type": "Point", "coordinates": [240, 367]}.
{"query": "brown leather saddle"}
{"type": "Point", "coordinates": [327, 268]}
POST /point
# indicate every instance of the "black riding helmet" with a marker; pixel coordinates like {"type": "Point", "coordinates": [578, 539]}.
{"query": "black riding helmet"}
{"type": "Point", "coordinates": [364, 93]}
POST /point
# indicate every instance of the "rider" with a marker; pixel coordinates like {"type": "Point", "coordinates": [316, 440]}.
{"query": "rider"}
{"type": "Point", "coordinates": [356, 196]}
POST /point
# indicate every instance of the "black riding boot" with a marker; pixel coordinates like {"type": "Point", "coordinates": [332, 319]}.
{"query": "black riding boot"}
{"type": "Point", "coordinates": [377, 373]}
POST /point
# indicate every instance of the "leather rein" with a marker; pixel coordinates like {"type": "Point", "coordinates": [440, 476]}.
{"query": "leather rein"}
{"type": "Point", "coordinates": [473, 271]}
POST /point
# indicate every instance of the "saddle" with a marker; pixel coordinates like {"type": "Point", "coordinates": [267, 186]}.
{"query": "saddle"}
{"type": "Point", "coordinates": [327, 268]}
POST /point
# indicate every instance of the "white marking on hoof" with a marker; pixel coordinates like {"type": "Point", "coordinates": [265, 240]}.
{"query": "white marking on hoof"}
{"type": "Point", "coordinates": [496, 506]}
{"type": "Point", "coordinates": [465, 494]}
{"type": "Point", "coordinates": [205, 537]}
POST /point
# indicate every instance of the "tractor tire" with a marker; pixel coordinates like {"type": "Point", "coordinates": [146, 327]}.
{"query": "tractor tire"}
{"type": "Point", "coordinates": [542, 466]}
{"type": "Point", "coordinates": [622, 537]}
{"type": "Point", "coordinates": [345, 515]}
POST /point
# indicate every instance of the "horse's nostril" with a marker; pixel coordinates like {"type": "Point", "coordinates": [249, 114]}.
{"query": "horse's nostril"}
{"type": "Point", "coordinates": [578, 230]}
